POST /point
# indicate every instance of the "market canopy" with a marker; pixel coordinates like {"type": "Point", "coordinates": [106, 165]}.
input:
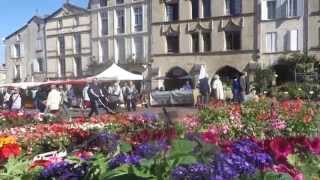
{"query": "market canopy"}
{"type": "Point", "coordinates": [23, 85]}
{"type": "Point", "coordinates": [114, 72]}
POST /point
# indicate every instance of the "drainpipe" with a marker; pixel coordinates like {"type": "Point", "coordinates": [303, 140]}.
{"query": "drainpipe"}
{"type": "Point", "coordinates": [149, 61]}
{"type": "Point", "coordinates": [45, 50]}
{"type": "Point", "coordinates": [305, 27]}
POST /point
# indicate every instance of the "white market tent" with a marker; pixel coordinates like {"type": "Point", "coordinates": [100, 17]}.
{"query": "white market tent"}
{"type": "Point", "coordinates": [116, 73]}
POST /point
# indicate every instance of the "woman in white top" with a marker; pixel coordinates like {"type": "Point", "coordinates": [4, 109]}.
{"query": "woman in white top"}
{"type": "Point", "coordinates": [16, 101]}
{"type": "Point", "coordinates": [54, 100]}
{"type": "Point", "coordinates": [218, 88]}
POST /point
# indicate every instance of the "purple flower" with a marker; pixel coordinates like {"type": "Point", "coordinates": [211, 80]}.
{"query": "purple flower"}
{"type": "Point", "coordinates": [149, 150]}
{"type": "Point", "coordinates": [194, 172]}
{"type": "Point", "coordinates": [64, 171]}
{"type": "Point", "coordinates": [122, 159]}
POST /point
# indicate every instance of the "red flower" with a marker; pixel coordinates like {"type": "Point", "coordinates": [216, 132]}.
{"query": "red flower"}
{"type": "Point", "coordinates": [42, 163]}
{"type": "Point", "coordinates": [281, 147]}
{"type": "Point", "coordinates": [9, 150]}
{"type": "Point", "coordinates": [314, 145]}
{"type": "Point", "coordinates": [210, 137]}
{"type": "Point", "coordinates": [83, 154]}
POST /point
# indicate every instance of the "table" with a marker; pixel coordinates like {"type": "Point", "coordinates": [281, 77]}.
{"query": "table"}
{"type": "Point", "coordinates": [177, 97]}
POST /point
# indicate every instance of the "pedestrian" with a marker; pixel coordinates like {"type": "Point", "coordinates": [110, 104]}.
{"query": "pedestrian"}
{"type": "Point", "coordinates": [85, 96]}
{"type": "Point", "coordinates": [236, 89]}
{"type": "Point", "coordinates": [131, 97]}
{"type": "Point", "coordinates": [40, 98]}
{"type": "Point", "coordinates": [54, 100]}
{"type": "Point", "coordinates": [34, 100]}
{"type": "Point", "coordinates": [94, 93]}
{"type": "Point", "coordinates": [64, 102]}
{"type": "Point", "coordinates": [187, 86]}
{"type": "Point", "coordinates": [124, 92]}
{"type": "Point", "coordinates": [218, 88]}
{"type": "Point", "coordinates": [15, 101]}
{"type": "Point", "coordinates": [204, 90]}
{"type": "Point", "coordinates": [116, 96]}
{"type": "Point", "coordinates": [6, 99]}
{"type": "Point", "coordinates": [72, 99]}
{"type": "Point", "coordinates": [243, 86]}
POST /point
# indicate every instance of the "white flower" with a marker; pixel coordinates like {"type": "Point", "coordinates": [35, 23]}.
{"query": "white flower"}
{"type": "Point", "coordinates": [299, 89]}
{"type": "Point", "coordinates": [265, 92]}
{"type": "Point", "coordinates": [276, 75]}
{"type": "Point", "coordinates": [311, 92]}
{"type": "Point", "coordinates": [286, 92]}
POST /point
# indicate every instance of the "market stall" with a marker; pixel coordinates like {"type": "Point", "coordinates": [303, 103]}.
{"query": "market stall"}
{"type": "Point", "coordinates": [177, 97]}
{"type": "Point", "coordinates": [116, 73]}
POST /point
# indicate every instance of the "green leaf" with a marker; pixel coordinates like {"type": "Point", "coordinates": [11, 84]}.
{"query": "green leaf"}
{"type": "Point", "coordinates": [187, 160]}
{"type": "Point", "coordinates": [125, 147]}
{"type": "Point", "coordinates": [182, 147]}
{"type": "Point", "coordinates": [276, 176]}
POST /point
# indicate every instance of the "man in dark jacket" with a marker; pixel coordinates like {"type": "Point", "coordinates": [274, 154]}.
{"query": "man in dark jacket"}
{"type": "Point", "coordinates": [243, 86]}
{"type": "Point", "coordinates": [204, 89]}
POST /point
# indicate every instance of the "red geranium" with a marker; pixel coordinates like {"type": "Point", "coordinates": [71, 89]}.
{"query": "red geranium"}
{"type": "Point", "coordinates": [314, 145]}
{"type": "Point", "coordinates": [9, 150]}
{"type": "Point", "coordinates": [210, 137]}
{"type": "Point", "coordinates": [281, 147]}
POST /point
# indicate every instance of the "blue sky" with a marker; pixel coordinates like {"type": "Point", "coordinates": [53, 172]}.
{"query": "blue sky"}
{"type": "Point", "coordinates": [15, 13]}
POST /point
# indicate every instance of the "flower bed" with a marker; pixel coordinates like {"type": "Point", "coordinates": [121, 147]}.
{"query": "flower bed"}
{"type": "Point", "coordinates": [257, 140]}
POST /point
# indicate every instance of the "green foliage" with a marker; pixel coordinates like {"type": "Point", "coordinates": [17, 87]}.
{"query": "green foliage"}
{"type": "Point", "coordinates": [18, 169]}
{"type": "Point", "coordinates": [263, 79]}
{"type": "Point", "coordinates": [308, 164]}
{"type": "Point", "coordinates": [294, 90]}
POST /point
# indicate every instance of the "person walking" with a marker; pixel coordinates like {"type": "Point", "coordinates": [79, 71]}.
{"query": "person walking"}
{"type": "Point", "coordinates": [15, 101]}
{"type": "Point", "coordinates": [116, 95]}
{"type": "Point", "coordinates": [243, 86]}
{"type": "Point", "coordinates": [218, 88]}
{"type": "Point", "coordinates": [132, 93]}
{"type": "Point", "coordinates": [236, 89]}
{"type": "Point", "coordinates": [54, 100]}
{"type": "Point", "coordinates": [64, 102]}
{"type": "Point", "coordinates": [72, 99]}
{"type": "Point", "coordinates": [85, 96]}
{"type": "Point", "coordinates": [124, 92]}
{"type": "Point", "coordinates": [6, 99]}
{"type": "Point", "coordinates": [41, 96]}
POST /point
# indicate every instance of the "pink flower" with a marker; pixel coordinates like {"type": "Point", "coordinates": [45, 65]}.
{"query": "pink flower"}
{"type": "Point", "coordinates": [210, 137]}
{"type": "Point", "coordinates": [314, 145]}
{"type": "Point", "coordinates": [281, 147]}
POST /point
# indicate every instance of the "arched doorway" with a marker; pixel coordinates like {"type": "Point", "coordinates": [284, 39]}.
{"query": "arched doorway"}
{"type": "Point", "coordinates": [227, 73]}
{"type": "Point", "coordinates": [285, 73]}
{"type": "Point", "coordinates": [176, 78]}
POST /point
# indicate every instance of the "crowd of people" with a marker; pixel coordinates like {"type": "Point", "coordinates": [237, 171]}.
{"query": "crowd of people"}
{"type": "Point", "coordinates": [59, 99]}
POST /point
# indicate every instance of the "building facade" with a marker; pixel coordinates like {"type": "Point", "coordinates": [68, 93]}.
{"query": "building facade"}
{"type": "Point", "coordinates": [313, 28]}
{"type": "Point", "coordinates": [220, 34]}
{"type": "Point", "coordinates": [281, 29]}
{"type": "Point", "coordinates": [120, 32]}
{"type": "Point", "coordinates": [68, 42]}
{"type": "Point", "coordinates": [25, 52]}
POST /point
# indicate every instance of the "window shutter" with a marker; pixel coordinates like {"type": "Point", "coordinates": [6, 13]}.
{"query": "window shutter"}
{"type": "Point", "coordinates": [300, 7]}
{"type": "Point", "coordinates": [281, 8]}
{"type": "Point", "coordinates": [12, 51]}
{"type": "Point", "coordinates": [294, 40]}
{"type": "Point", "coordinates": [268, 42]}
{"type": "Point", "coordinates": [22, 50]}
{"type": "Point", "coordinates": [35, 66]}
{"type": "Point", "coordinates": [264, 10]}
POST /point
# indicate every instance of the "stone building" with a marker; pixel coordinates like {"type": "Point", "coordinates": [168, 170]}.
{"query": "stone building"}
{"type": "Point", "coordinates": [25, 52]}
{"type": "Point", "coordinates": [68, 37]}
{"type": "Point", "coordinates": [220, 34]}
{"type": "Point", "coordinates": [314, 28]}
{"type": "Point", "coordinates": [120, 32]}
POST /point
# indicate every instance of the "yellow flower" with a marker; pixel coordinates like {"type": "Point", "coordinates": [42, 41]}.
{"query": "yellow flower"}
{"type": "Point", "coordinates": [7, 140]}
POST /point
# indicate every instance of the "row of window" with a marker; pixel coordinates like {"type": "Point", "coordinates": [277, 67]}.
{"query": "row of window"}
{"type": "Point", "coordinates": [136, 45]}
{"type": "Point", "coordinates": [120, 21]}
{"type": "Point", "coordinates": [76, 44]}
{"type": "Point", "coordinates": [290, 41]}
{"type": "Point", "coordinates": [272, 9]}
{"type": "Point", "coordinates": [232, 8]}
{"type": "Point", "coordinates": [104, 3]}
{"type": "Point", "coordinates": [232, 39]}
